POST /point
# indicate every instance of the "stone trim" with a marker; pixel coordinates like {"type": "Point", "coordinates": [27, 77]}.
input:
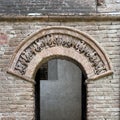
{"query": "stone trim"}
{"type": "Point", "coordinates": [99, 76]}
{"type": "Point", "coordinates": [63, 18]}
{"type": "Point", "coordinates": [59, 41]}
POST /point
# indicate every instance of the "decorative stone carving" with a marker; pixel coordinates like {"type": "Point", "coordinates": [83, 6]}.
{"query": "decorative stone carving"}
{"type": "Point", "coordinates": [75, 44]}
{"type": "Point", "coordinates": [52, 40]}
{"type": "Point", "coordinates": [27, 54]}
{"type": "Point", "coordinates": [21, 67]}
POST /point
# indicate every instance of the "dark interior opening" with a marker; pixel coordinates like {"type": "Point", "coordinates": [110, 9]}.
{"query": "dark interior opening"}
{"type": "Point", "coordinates": [84, 97]}
{"type": "Point", "coordinates": [42, 74]}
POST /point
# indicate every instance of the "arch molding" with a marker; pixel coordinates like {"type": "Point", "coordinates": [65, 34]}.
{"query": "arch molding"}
{"type": "Point", "coordinates": [59, 41]}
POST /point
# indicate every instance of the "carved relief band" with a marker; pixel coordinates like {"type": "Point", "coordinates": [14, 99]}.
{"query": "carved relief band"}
{"type": "Point", "coordinates": [55, 37]}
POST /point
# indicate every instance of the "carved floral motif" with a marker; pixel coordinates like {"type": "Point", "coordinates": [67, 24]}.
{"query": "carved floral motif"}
{"type": "Point", "coordinates": [52, 40]}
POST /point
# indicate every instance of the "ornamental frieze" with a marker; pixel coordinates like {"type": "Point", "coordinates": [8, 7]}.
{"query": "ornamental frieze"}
{"type": "Point", "coordinates": [59, 41]}
{"type": "Point", "coordinates": [53, 40]}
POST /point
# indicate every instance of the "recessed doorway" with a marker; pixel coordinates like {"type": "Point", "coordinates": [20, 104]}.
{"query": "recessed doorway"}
{"type": "Point", "coordinates": [60, 92]}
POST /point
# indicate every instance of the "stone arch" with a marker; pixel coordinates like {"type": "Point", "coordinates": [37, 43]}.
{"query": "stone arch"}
{"type": "Point", "coordinates": [59, 41]}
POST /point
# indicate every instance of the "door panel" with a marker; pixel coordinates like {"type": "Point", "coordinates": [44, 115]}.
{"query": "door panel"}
{"type": "Point", "coordinates": [60, 95]}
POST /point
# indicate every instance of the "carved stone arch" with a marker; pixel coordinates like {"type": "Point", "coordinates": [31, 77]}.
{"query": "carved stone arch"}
{"type": "Point", "coordinates": [59, 41]}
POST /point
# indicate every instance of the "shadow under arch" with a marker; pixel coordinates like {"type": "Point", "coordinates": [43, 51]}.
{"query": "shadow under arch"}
{"type": "Point", "coordinates": [45, 60]}
{"type": "Point", "coordinates": [60, 40]}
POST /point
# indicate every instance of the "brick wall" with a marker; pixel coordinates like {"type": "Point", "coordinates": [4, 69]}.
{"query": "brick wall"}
{"type": "Point", "coordinates": [55, 7]}
{"type": "Point", "coordinates": [16, 95]}
{"type": "Point", "coordinates": [46, 7]}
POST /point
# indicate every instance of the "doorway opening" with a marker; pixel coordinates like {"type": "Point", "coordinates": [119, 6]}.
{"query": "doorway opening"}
{"type": "Point", "coordinates": [60, 91]}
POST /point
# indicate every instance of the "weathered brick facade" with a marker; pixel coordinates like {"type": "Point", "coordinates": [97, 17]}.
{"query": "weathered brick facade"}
{"type": "Point", "coordinates": [57, 7]}
{"type": "Point", "coordinates": [103, 94]}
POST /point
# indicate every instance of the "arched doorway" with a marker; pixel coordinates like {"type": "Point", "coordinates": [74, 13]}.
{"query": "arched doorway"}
{"type": "Point", "coordinates": [64, 42]}
{"type": "Point", "coordinates": [60, 91]}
